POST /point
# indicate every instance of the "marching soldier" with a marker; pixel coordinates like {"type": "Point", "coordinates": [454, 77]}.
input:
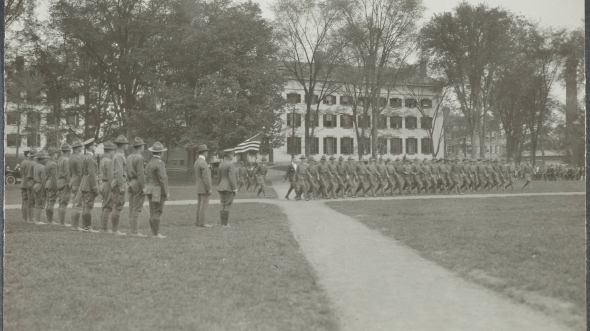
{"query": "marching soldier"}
{"type": "Point", "coordinates": [314, 178]}
{"type": "Point", "coordinates": [351, 177]}
{"type": "Point", "coordinates": [29, 177]}
{"type": "Point", "coordinates": [362, 174]}
{"type": "Point", "coordinates": [391, 175]}
{"type": "Point", "coordinates": [260, 173]}
{"type": "Point", "coordinates": [426, 175]}
{"type": "Point", "coordinates": [399, 179]}
{"type": "Point", "coordinates": [473, 174]}
{"type": "Point", "coordinates": [415, 176]}
{"type": "Point", "coordinates": [466, 179]}
{"type": "Point", "coordinates": [51, 184]}
{"type": "Point", "coordinates": [291, 175]}
{"type": "Point", "coordinates": [341, 173]}
{"type": "Point", "coordinates": [88, 185]}
{"type": "Point", "coordinates": [302, 178]}
{"type": "Point", "coordinates": [490, 174]}
{"type": "Point", "coordinates": [119, 182]}
{"type": "Point", "coordinates": [435, 171]}
{"type": "Point", "coordinates": [136, 176]}
{"type": "Point", "coordinates": [157, 187]}
{"type": "Point", "coordinates": [497, 176]}
{"type": "Point", "coordinates": [242, 176]}
{"type": "Point", "coordinates": [481, 177]}
{"type": "Point", "coordinates": [374, 178]}
{"type": "Point", "coordinates": [333, 178]}
{"type": "Point", "coordinates": [63, 183]}
{"type": "Point", "coordinates": [527, 170]}
{"type": "Point", "coordinates": [39, 177]}
{"type": "Point", "coordinates": [323, 178]}
{"type": "Point", "coordinates": [107, 176]}
{"type": "Point", "coordinates": [457, 176]}
{"type": "Point", "coordinates": [24, 191]}
{"type": "Point", "coordinates": [511, 168]}
{"type": "Point", "coordinates": [407, 174]}
{"type": "Point", "coordinates": [250, 177]}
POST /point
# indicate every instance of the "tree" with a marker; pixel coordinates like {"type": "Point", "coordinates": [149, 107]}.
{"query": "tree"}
{"type": "Point", "coordinates": [310, 51]}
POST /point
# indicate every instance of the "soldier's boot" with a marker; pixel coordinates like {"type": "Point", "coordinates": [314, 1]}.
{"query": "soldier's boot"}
{"type": "Point", "coordinates": [39, 212]}
{"type": "Point", "coordinates": [49, 215]}
{"type": "Point", "coordinates": [76, 218]}
{"type": "Point", "coordinates": [115, 221]}
{"type": "Point", "coordinates": [104, 221]}
{"type": "Point", "coordinates": [31, 213]}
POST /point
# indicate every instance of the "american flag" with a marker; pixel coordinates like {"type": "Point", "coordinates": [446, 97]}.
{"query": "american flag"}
{"type": "Point", "coordinates": [252, 144]}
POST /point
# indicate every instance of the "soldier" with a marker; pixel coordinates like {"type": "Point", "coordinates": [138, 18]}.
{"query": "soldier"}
{"type": "Point", "coordinates": [334, 178]}
{"type": "Point", "coordinates": [457, 176]}
{"type": "Point", "coordinates": [302, 178]}
{"type": "Point", "coordinates": [491, 174]}
{"type": "Point", "coordinates": [75, 165]}
{"type": "Point", "coordinates": [466, 178]}
{"type": "Point", "coordinates": [391, 175]}
{"type": "Point", "coordinates": [29, 177]}
{"type": "Point", "coordinates": [39, 177]}
{"type": "Point", "coordinates": [426, 174]}
{"type": "Point", "coordinates": [323, 179]}
{"type": "Point", "coordinates": [362, 174]}
{"type": "Point", "coordinates": [119, 183]}
{"type": "Point", "coordinates": [351, 177]}
{"type": "Point", "coordinates": [383, 176]}
{"type": "Point", "coordinates": [24, 191]}
{"type": "Point", "coordinates": [88, 185]}
{"type": "Point", "coordinates": [157, 187]}
{"type": "Point", "coordinates": [228, 187]}
{"type": "Point", "coordinates": [291, 175]}
{"type": "Point", "coordinates": [242, 176]}
{"type": "Point", "coordinates": [314, 178]}
{"type": "Point", "coordinates": [527, 170]}
{"type": "Point", "coordinates": [260, 173]}
{"type": "Point", "coordinates": [372, 175]}
{"type": "Point", "coordinates": [399, 180]}
{"type": "Point", "coordinates": [51, 184]}
{"type": "Point", "coordinates": [501, 170]}
{"type": "Point", "coordinates": [250, 177]}
{"type": "Point", "coordinates": [473, 174]}
{"type": "Point", "coordinates": [342, 176]}
{"type": "Point", "coordinates": [107, 176]}
{"type": "Point", "coordinates": [63, 183]}
{"type": "Point", "coordinates": [136, 177]}
{"type": "Point", "coordinates": [407, 175]}
{"type": "Point", "coordinates": [203, 184]}
{"type": "Point", "coordinates": [496, 175]}
{"type": "Point", "coordinates": [415, 178]}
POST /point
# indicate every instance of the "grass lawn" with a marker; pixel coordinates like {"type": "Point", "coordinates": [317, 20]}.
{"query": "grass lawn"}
{"type": "Point", "coordinates": [251, 276]}
{"type": "Point", "coordinates": [531, 249]}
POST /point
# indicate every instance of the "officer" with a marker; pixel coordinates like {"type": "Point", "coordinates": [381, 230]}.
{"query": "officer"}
{"type": "Point", "coordinates": [107, 177]}
{"type": "Point", "coordinates": [119, 183]}
{"type": "Point", "coordinates": [342, 176]}
{"type": "Point", "coordinates": [75, 167]}
{"type": "Point", "coordinates": [156, 189]}
{"type": "Point", "coordinates": [63, 183]}
{"type": "Point", "coordinates": [302, 178]}
{"type": "Point", "coordinates": [314, 178]}
{"type": "Point", "coordinates": [29, 177]}
{"type": "Point", "coordinates": [39, 178]}
{"type": "Point", "coordinates": [334, 177]}
{"type": "Point", "coordinates": [24, 169]}
{"type": "Point", "coordinates": [351, 177]}
{"type": "Point", "coordinates": [291, 175]}
{"type": "Point", "coordinates": [136, 177]}
{"type": "Point", "coordinates": [203, 185]}
{"type": "Point", "coordinates": [260, 173]}
{"type": "Point", "coordinates": [228, 187]}
{"type": "Point", "coordinates": [51, 184]}
{"type": "Point", "coordinates": [88, 185]}
{"type": "Point", "coordinates": [362, 175]}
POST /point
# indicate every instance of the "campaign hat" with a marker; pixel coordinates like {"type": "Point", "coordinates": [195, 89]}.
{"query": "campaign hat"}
{"type": "Point", "coordinates": [398, 159]}
{"type": "Point", "coordinates": [138, 141]}
{"type": "Point", "coordinates": [332, 157]}
{"type": "Point", "coordinates": [65, 147]}
{"type": "Point", "coordinates": [121, 139]}
{"type": "Point", "coordinates": [323, 157]}
{"type": "Point", "coordinates": [202, 148]}
{"type": "Point", "coordinates": [350, 158]}
{"type": "Point", "coordinates": [311, 158]}
{"type": "Point", "coordinates": [52, 150]}
{"type": "Point", "coordinates": [341, 158]}
{"type": "Point", "coordinates": [77, 143]}
{"type": "Point", "coordinates": [109, 145]}
{"type": "Point", "coordinates": [88, 142]}
{"type": "Point", "coordinates": [158, 147]}
{"type": "Point", "coordinates": [303, 157]}
{"type": "Point", "coordinates": [32, 152]}
{"type": "Point", "coordinates": [41, 155]}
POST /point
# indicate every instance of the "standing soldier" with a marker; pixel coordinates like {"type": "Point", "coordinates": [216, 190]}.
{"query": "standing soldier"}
{"type": "Point", "coordinates": [75, 167]}
{"type": "Point", "coordinates": [351, 177]}
{"type": "Point", "coordinates": [242, 176]}
{"type": "Point", "coordinates": [341, 172]}
{"type": "Point", "coordinates": [291, 175]}
{"type": "Point", "coordinates": [334, 178]}
{"type": "Point", "coordinates": [260, 173]}
{"type": "Point", "coordinates": [51, 184]}
{"type": "Point", "coordinates": [119, 183]}
{"type": "Point", "coordinates": [228, 187]}
{"type": "Point", "coordinates": [29, 177]}
{"type": "Point", "coordinates": [24, 191]}
{"type": "Point", "coordinates": [136, 177]}
{"type": "Point", "coordinates": [527, 171]}
{"type": "Point", "coordinates": [39, 178]}
{"type": "Point", "coordinates": [157, 187]}
{"type": "Point", "coordinates": [203, 184]}
{"type": "Point", "coordinates": [323, 178]}
{"type": "Point", "coordinates": [314, 178]}
{"type": "Point", "coordinates": [63, 183]}
{"type": "Point", "coordinates": [88, 185]}
{"type": "Point", "coordinates": [361, 174]}
{"type": "Point", "coordinates": [302, 178]}
{"type": "Point", "coordinates": [107, 176]}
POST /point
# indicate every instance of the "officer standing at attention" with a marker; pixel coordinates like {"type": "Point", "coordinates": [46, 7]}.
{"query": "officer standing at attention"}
{"type": "Point", "coordinates": [24, 169]}
{"type": "Point", "coordinates": [313, 178]}
{"type": "Point", "coordinates": [291, 175]}
{"type": "Point", "coordinates": [203, 184]}
{"type": "Point", "coordinates": [39, 178]}
{"type": "Point", "coordinates": [136, 176]}
{"type": "Point", "coordinates": [75, 167]}
{"type": "Point", "coordinates": [29, 177]}
{"type": "Point", "coordinates": [63, 183]}
{"type": "Point", "coordinates": [119, 183]}
{"type": "Point", "coordinates": [334, 178]}
{"type": "Point", "coordinates": [157, 187]}
{"type": "Point", "coordinates": [228, 187]}
{"type": "Point", "coordinates": [51, 184]}
{"type": "Point", "coordinates": [88, 185]}
{"type": "Point", "coordinates": [107, 175]}
{"type": "Point", "coordinates": [260, 173]}
{"type": "Point", "coordinates": [302, 178]}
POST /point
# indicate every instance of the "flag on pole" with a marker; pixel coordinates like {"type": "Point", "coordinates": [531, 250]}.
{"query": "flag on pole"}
{"type": "Point", "coordinates": [252, 144]}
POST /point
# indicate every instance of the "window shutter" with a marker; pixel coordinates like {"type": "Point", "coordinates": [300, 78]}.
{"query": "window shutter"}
{"type": "Point", "coordinates": [335, 140]}
{"type": "Point", "coordinates": [325, 141]}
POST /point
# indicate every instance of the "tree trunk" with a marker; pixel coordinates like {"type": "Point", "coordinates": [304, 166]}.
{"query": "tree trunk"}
{"type": "Point", "coordinates": [17, 129]}
{"type": "Point", "coordinates": [190, 170]}
{"type": "Point", "coordinates": [473, 142]}
{"type": "Point", "coordinates": [482, 136]}
{"type": "Point", "coordinates": [571, 104]}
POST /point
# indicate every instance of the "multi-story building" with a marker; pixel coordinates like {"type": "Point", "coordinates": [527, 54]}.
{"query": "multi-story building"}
{"type": "Point", "coordinates": [495, 145]}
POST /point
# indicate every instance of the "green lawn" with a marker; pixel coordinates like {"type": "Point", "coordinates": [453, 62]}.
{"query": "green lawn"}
{"type": "Point", "coordinates": [251, 276]}
{"type": "Point", "coordinates": [531, 249]}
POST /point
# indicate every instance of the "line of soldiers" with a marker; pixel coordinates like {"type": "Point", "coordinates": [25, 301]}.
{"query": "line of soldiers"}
{"type": "Point", "coordinates": [253, 176]}
{"type": "Point", "coordinates": [408, 176]}
{"type": "Point", "coordinates": [558, 173]}
{"type": "Point", "coordinates": [79, 179]}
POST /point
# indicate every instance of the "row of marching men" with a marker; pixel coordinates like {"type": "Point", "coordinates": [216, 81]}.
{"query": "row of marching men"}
{"type": "Point", "coordinates": [407, 176]}
{"type": "Point", "coordinates": [79, 179]}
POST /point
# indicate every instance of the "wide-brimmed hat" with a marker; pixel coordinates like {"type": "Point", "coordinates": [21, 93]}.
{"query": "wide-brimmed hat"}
{"type": "Point", "coordinates": [66, 147]}
{"type": "Point", "coordinates": [158, 147]}
{"type": "Point", "coordinates": [202, 148]}
{"type": "Point", "coordinates": [138, 141]}
{"type": "Point", "coordinates": [88, 142]}
{"type": "Point", "coordinates": [263, 159]}
{"type": "Point", "coordinates": [52, 150]}
{"type": "Point", "coordinates": [109, 145]}
{"type": "Point", "coordinates": [323, 157]}
{"type": "Point", "coordinates": [41, 155]}
{"type": "Point", "coordinates": [77, 143]}
{"type": "Point", "coordinates": [350, 158]}
{"type": "Point", "coordinates": [121, 139]}
{"type": "Point", "coordinates": [32, 152]}
{"type": "Point", "coordinates": [388, 159]}
{"type": "Point", "coordinates": [332, 157]}
{"type": "Point", "coordinates": [398, 159]}
{"type": "Point", "coordinates": [311, 158]}
{"type": "Point", "coordinates": [303, 157]}
{"type": "Point", "coordinates": [341, 158]}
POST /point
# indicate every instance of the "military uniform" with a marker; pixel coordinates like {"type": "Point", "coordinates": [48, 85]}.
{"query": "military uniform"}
{"type": "Point", "coordinates": [39, 178]}
{"type": "Point", "coordinates": [407, 175]}
{"type": "Point", "coordinates": [351, 176]}
{"type": "Point", "coordinates": [291, 175]}
{"type": "Point", "coordinates": [341, 172]}
{"type": "Point", "coordinates": [324, 177]}
{"type": "Point", "coordinates": [63, 184]}
{"type": "Point", "coordinates": [24, 190]}
{"type": "Point", "coordinates": [313, 180]}
{"type": "Point", "coordinates": [250, 177]}
{"type": "Point", "coordinates": [382, 176]}
{"type": "Point", "coordinates": [399, 179]}
{"type": "Point", "coordinates": [119, 183]}
{"type": "Point", "coordinates": [75, 165]}
{"type": "Point", "coordinates": [29, 177]}
{"type": "Point", "coordinates": [156, 189]}
{"type": "Point", "coordinates": [242, 176]}
{"type": "Point", "coordinates": [136, 177]}
{"type": "Point", "coordinates": [391, 175]}
{"type": "Point", "coordinates": [426, 175]}
{"type": "Point", "coordinates": [457, 176]}
{"type": "Point", "coordinates": [362, 174]}
{"type": "Point", "coordinates": [334, 178]}
{"type": "Point", "coordinates": [51, 185]}
{"type": "Point", "coordinates": [88, 187]}
{"type": "Point", "coordinates": [107, 177]}
{"type": "Point", "coordinates": [415, 178]}
{"type": "Point", "coordinates": [260, 173]}
{"type": "Point", "coordinates": [302, 178]}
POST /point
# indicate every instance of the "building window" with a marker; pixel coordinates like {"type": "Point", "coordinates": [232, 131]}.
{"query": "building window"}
{"type": "Point", "coordinates": [345, 100]}
{"type": "Point", "coordinates": [330, 145]}
{"type": "Point", "coordinates": [33, 140]}
{"type": "Point", "coordinates": [426, 103]}
{"type": "Point", "coordinates": [411, 146]}
{"type": "Point", "coordinates": [411, 103]}
{"type": "Point", "coordinates": [314, 146]}
{"type": "Point", "coordinates": [293, 145]}
{"type": "Point", "coordinates": [330, 121]}
{"type": "Point", "coordinates": [395, 102]}
{"type": "Point", "coordinates": [314, 100]}
{"type": "Point", "coordinates": [382, 122]}
{"type": "Point", "coordinates": [492, 149]}
{"type": "Point", "coordinates": [314, 120]}
{"type": "Point", "coordinates": [294, 98]}
{"type": "Point", "coordinates": [382, 146]}
{"type": "Point", "coordinates": [497, 149]}
{"type": "Point", "coordinates": [365, 146]}
{"type": "Point", "coordinates": [33, 119]}
{"type": "Point", "coordinates": [330, 100]}
{"type": "Point", "coordinates": [396, 146]}
{"type": "Point", "coordinates": [347, 146]}
{"type": "Point", "coordinates": [396, 122]}
{"type": "Point", "coordinates": [296, 123]}
{"type": "Point", "coordinates": [426, 146]}
{"type": "Point", "coordinates": [346, 121]}
{"type": "Point", "coordinates": [362, 100]}
{"type": "Point", "coordinates": [487, 149]}
{"type": "Point", "coordinates": [364, 121]}
{"type": "Point", "coordinates": [426, 122]}
{"type": "Point", "coordinates": [50, 119]}
{"type": "Point", "coordinates": [181, 162]}
{"type": "Point", "coordinates": [12, 140]}
{"type": "Point", "coordinates": [12, 118]}
{"type": "Point", "coordinates": [72, 120]}
{"type": "Point", "coordinates": [382, 102]}
{"type": "Point", "coordinates": [411, 122]}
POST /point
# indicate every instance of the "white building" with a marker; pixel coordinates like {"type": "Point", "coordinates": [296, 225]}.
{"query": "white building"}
{"type": "Point", "coordinates": [403, 128]}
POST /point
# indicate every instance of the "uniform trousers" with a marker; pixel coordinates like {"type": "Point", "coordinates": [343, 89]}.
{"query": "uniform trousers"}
{"type": "Point", "coordinates": [31, 196]}
{"type": "Point", "coordinates": [312, 185]}
{"type": "Point", "coordinates": [51, 195]}
{"type": "Point", "coordinates": [136, 200]}
{"type": "Point", "coordinates": [457, 179]}
{"type": "Point", "coordinates": [76, 197]}
{"type": "Point", "coordinates": [226, 199]}
{"type": "Point", "coordinates": [63, 198]}
{"type": "Point", "coordinates": [302, 186]}
{"type": "Point", "coordinates": [118, 198]}
{"type": "Point", "coordinates": [260, 180]}
{"type": "Point", "coordinates": [202, 206]}
{"type": "Point", "coordinates": [40, 196]}
{"type": "Point", "coordinates": [156, 210]}
{"type": "Point", "coordinates": [88, 198]}
{"type": "Point", "coordinates": [324, 182]}
{"type": "Point", "coordinates": [24, 193]}
{"type": "Point", "coordinates": [107, 204]}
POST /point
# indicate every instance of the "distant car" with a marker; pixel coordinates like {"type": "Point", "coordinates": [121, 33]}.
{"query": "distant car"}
{"type": "Point", "coordinates": [12, 177]}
